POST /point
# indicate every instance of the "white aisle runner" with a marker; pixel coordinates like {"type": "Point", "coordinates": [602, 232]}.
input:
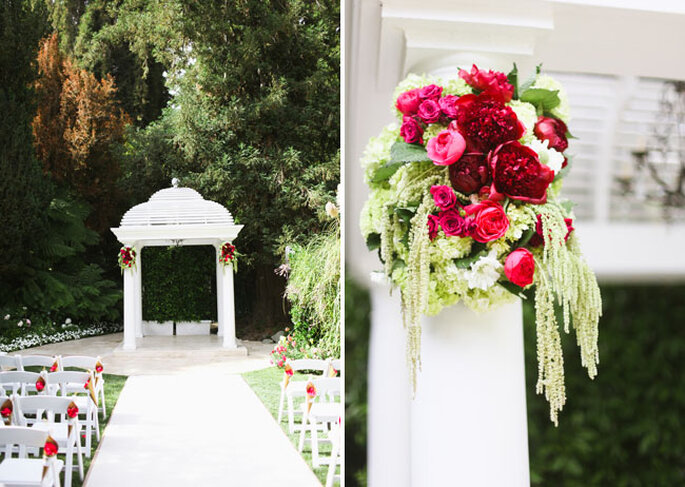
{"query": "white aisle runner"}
{"type": "Point", "coordinates": [195, 430]}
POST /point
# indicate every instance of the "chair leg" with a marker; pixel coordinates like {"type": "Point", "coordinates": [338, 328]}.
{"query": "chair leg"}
{"type": "Point", "coordinates": [280, 406]}
{"type": "Point", "coordinates": [96, 422]}
{"type": "Point", "coordinates": [291, 415]}
{"type": "Point", "coordinates": [314, 438]}
{"type": "Point", "coordinates": [79, 453]}
{"type": "Point", "coordinates": [68, 465]}
{"type": "Point", "coordinates": [330, 476]}
{"type": "Point", "coordinates": [102, 398]}
{"type": "Point", "coordinates": [89, 432]}
{"type": "Point", "coordinates": [303, 431]}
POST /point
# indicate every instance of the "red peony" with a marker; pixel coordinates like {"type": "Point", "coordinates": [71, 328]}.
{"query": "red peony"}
{"type": "Point", "coordinates": [491, 83]}
{"type": "Point", "coordinates": [430, 92]}
{"type": "Point", "coordinates": [433, 226]}
{"type": "Point", "coordinates": [552, 130]}
{"type": "Point", "coordinates": [490, 221]}
{"type": "Point", "coordinates": [411, 131]}
{"type": "Point", "coordinates": [486, 122]}
{"type": "Point", "coordinates": [72, 411]}
{"type": "Point", "coordinates": [520, 267]}
{"type": "Point", "coordinates": [470, 173]}
{"type": "Point", "coordinates": [518, 174]}
{"type": "Point", "coordinates": [455, 225]}
{"type": "Point", "coordinates": [429, 111]}
{"type": "Point", "coordinates": [443, 196]}
{"type": "Point", "coordinates": [447, 105]}
{"type": "Point", "coordinates": [408, 102]}
{"type": "Point", "coordinates": [446, 148]}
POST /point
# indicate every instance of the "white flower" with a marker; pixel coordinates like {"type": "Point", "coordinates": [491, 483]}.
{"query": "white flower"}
{"type": "Point", "coordinates": [28, 322]}
{"type": "Point", "coordinates": [484, 272]}
{"type": "Point", "coordinates": [20, 324]}
{"type": "Point", "coordinates": [332, 210]}
{"type": "Point", "coordinates": [7, 317]}
{"type": "Point", "coordinates": [67, 321]}
{"type": "Point", "coordinates": [550, 157]}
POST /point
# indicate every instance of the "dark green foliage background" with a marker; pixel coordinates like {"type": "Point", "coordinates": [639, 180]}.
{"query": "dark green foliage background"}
{"type": "Point", "coordinates": [624, 429]}
{"type": "Point", "coordinates": [179, 283]}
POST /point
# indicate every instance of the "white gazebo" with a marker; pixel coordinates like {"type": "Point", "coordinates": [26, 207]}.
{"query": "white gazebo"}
{"type": "Point", "coordinates": [177, 216]}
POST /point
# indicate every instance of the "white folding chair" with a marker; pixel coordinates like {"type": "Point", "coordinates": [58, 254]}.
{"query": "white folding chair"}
{"type": "Point", "coordinates": [18, 381]}
{"type": "Point", "coordinates": [65, 432]}
{"type": "Point", "coordinates": [334, 367]}
{"type": "Point", "coordinates": [321, 409]}
{"type": "Point", "coordinates": [75, 383]}
{"type": "Point", "coordinates": [291, 389]}
{"type": "Point", "coordinates": [36, 361]}
{"type": "Point", "coordinates": [9, 362]}
{"type": "Point", "coordinates": [335, 436]}
{"type": "Point", "coordinates": [41, 472]}
{"type": "Point", "coordinates": [89, 363]}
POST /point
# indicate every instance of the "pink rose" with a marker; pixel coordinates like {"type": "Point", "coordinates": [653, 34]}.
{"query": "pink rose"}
{"type": "Point", "coordinates": [411, 131]}
{"type": "Point", "coordinates": [433, 226]}
{"type": "Point", "coordinates": [408, 102]}
{"type": "Point", "coordinates": [520, 267]}
{"type": "Point", "coordinates": [430, 92]}
{"type": "Point", "coordinates": [443, 196]}
{"type": "Point", "coordinates": [447, 106]}
{"type": "Point", "coordinates": [490, 221]}
{"type": "Point", "coordinates": [446, 148]}
{"type": "Point", "coordinates": [455, 225]}
{"type": "Point", "coordinates": [429, 111]}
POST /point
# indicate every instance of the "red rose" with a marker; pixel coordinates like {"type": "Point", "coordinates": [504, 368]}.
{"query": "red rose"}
{"type": "Point", "coordinates": [54, 367]}
{"type": "Point", "coordinates": [446, 148]}
{"type": "Point", "coordinates": [520, 267]}
{"type": "Point", "coordinates": [411, 131]}
{"type": "Point", "coordinates": [311, 390]}
{"type": "Point", "coordinates": [552, 130]}
{"type": "Point", "coordinates": [85, 386]}
{"type": "Point", "coordinates": [408, 102]}
{"type": "Point", "coordinates": [72, 411]}
{"type": "Point", "coordinates": [490, 221]}
{"type": "Point", "coordinates": [98, 368]}
{"type": "Point", "coordinates": [40, 384]}
{"type": "Point", "coordinates": [6, 412]}
{"type": "Point", "coordinates": [537, 239]}
{"type": "Point", "coordinates": [447, 106]}
{"type": "Point", "coordinates": [492, 83]}
{"type": "Point", "coordinates": [486, 122]}
{"type": "Point", "coordinates": [289, 370]}
{"type": "Point", "coordinates": [455, 225]}
{"type": "Point", "coordinates": [429, 111]}
{"type": "Point", "coordinates": [433, 226]}
{"type": "Point", "coordinates": [51, 447]}
{"type": "Point", "coordinates": [443, 196]}
{"type": "Point", "coordinates": [470, 173]}
{"type": "Point", "coordinates": [430, 92]}
{"type": "Point", "coordinates": [518, 174]}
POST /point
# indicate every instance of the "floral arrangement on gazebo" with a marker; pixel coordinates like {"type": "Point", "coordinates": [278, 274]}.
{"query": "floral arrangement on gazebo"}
{"type": "Point", "coordinates": [465, 206]}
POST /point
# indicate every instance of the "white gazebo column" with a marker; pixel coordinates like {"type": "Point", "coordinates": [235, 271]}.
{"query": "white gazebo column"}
{"type": "Point", "coordinates": [226, 308]}
{"type": "Point", "coordinates": [139, 292]}
{"type": "Point", "coordinates": [219, 287]}
{"type": "Point", "coordinates": [130, 313]}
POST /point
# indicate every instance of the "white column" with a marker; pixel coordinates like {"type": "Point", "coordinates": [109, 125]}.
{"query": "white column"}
{"type": "Point", "coordinates": [468, 421]}
{"type": "Point", "coordinates": [227, 308]}
{"type": "Point", "coordinates": [389, 439]}
{"type": "Point", "coordinates": [219, 296]}
{"type": "Point", "coordinates": [139, 292]}
{"type": "Point", "coordinates": [129, 309]}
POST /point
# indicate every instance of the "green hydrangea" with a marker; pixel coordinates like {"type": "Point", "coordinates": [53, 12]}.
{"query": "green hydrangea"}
{"type": "Point", "coordinates": [377, 151]}
{"type": "Point", "coordinates": [373, 211]}
{"type": "Point", "coordinates": [562, 110]}
{"type": "Point", "coordinates": [526, 113]}
{"type": "Point", "coordinates": [433, 130]}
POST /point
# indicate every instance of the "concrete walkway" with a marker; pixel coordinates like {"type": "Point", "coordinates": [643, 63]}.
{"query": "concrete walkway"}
{"type": "Point", "coordinates": [186, 418]}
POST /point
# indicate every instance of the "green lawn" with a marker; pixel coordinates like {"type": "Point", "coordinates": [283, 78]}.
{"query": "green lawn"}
{"type": "Point", "coordinates": [265, 383]}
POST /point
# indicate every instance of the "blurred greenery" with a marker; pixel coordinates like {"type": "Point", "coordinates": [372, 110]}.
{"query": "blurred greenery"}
{"type": "Point", "coordinates": [624, 429]}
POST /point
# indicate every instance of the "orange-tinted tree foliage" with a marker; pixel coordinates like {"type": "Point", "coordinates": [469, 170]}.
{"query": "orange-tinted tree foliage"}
{"type": "Point", "coordinates": [77, 122]}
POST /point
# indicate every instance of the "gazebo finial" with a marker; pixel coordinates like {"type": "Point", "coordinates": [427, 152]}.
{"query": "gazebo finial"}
{"type": "Point", "coordinates": [174, 182]}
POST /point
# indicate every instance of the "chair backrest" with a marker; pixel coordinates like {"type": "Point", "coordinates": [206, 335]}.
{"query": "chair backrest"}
{"type": "Point", "coordinates": [18, 377]}
{"type": "Point", "coordinates": [9, 362]}
{"type": "Point", "coordinates": [336, 364]}
{"type": "Point", "coordinates": [79, 362]}
{"type": "Point", "coordinates": [36, 361]}
{"type": "Point", "coordinates": [21, 435]}
{"type": "Point", "coordinates": [309, 364]}
{"type": "Point", "coordinates": [327, 387]}
{"type": "Point", "coordinates": [31, 404]}
{"type": "Point", "coordinates": [68, 377]}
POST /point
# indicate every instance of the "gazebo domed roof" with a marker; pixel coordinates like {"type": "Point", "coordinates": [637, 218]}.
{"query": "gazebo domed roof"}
{"type": "Point", "coordinates": [176, 206]}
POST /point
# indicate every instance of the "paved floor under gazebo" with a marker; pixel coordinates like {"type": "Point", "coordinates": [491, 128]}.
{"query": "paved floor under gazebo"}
{"type": "Point", "coordinates": [181, 420]}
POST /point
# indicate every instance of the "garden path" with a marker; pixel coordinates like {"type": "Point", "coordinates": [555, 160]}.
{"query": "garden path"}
{"type": "Point", "coordinates": [186, 417]}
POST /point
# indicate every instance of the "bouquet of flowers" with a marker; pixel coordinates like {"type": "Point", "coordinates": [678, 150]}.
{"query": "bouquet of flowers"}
{"type": "Point", "coordinates": [465, 206]}
{"type": "Point", "coordinates": [229, 256]}
{"type": "Point", "coordinates": [127, 258]}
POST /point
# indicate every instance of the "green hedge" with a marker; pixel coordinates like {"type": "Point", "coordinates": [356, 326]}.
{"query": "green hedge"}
{"type": "Point", "coordinates": [179, 283]}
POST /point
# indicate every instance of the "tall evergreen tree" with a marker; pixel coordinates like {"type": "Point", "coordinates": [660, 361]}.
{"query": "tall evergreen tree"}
{"type": "Point", "coordinates": [24, 192]}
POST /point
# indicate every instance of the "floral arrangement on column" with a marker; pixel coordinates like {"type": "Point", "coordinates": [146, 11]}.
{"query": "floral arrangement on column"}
{"type": "Point", "coordinates": [127, 258]}
{"type": "Point", "coordinates": [229, 256]}
{"type": "Point", "coordinates": [465, 205]}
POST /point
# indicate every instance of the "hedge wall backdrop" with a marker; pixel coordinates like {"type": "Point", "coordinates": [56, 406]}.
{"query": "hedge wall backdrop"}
{"type": "Point", "coordinates": [624, 429]}
{"type": "Point", "coordinates": [179, 283]}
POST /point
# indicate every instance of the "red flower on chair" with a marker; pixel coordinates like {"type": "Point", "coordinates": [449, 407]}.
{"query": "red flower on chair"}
{"type": "Point", "coordinates": [311, 390]}
{"type": "Point", "coordinates": [72, 410]}
{"type": "Point", "coordinates": [288, 370]}
{"type": "Point", "coordinates": [6, 412]}
{"type": "Point", "coordinates": [51, 448]}
{"type": "Point", "coordinates": [40, 384]}
{"type": "Point", "coordinates": [98, 367]}
{"type": "Point", "coordinates": [87, 384]}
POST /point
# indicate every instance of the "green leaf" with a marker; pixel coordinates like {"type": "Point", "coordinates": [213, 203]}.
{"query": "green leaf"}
{"type": "Point", "coordinates": [531, 80]}
{"type": "Point", "coordinates": [477, 251]}
{"type": "Point", "coordinates": [567, 205]}
{"type": "Point", "coordinates": [513, 78]}
{"type": "Point", "coordinates": [386, 171]}
{"type": "Point", "coordinates": [373, 241]}
{"type": "Point", "coordinates": [525, 238]}
{"type": "Point", "coordinates": [513, 288]}
{"type": "Point", "coordinates": [406, 213]}
{"type": "Point", "coordinates": [544, 100]}
{"type": "Point", "coordinates": [401, 152]}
